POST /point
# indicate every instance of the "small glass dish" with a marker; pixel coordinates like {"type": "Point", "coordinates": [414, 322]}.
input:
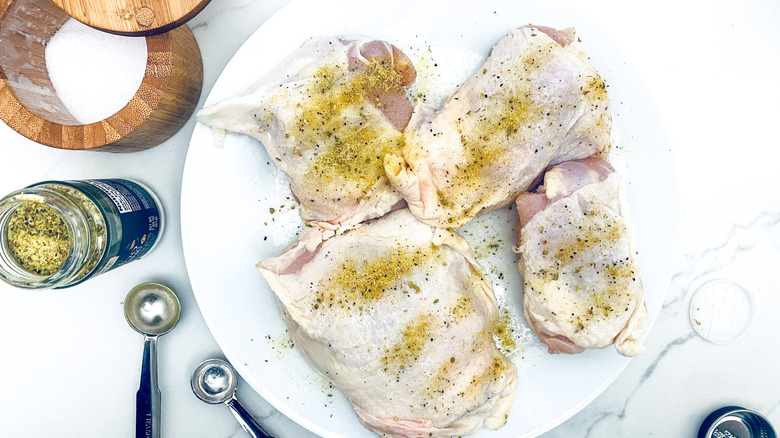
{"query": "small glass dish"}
{"type": "Point", "coordinates": [721, 311]}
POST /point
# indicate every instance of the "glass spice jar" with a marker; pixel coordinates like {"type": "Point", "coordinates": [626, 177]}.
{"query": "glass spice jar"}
{"type": "Point", "coordinates": [57, 234]}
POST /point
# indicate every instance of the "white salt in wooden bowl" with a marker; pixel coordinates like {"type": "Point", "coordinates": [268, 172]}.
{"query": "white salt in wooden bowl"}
{"type": "Point", "coordinates": [29, 104]}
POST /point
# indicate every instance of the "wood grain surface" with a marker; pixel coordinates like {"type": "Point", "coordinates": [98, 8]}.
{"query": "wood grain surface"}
{"type": "Point", "coordinates": [168, 94]}
{"type": "Point", "coordinates": [132, 17]}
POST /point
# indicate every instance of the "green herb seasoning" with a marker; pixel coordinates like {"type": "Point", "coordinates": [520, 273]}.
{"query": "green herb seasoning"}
{"type": "Point", "coordinates": [38, 238]}
{"type": "Point", "coordinates": [335, 131]}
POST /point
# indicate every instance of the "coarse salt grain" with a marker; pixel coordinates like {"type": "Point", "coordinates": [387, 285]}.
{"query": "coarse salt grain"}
{"type": "Point", "coordinates": [94, 73]}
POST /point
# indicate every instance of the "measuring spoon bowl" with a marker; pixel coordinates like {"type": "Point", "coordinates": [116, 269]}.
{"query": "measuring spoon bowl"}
{"type": "Point", "coordinates": [152, 309]}
{"type": "Point", "coordinates": [214, 381]}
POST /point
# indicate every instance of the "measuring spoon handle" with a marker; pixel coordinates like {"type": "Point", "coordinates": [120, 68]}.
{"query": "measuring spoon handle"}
{"type": "Point", "coordinates": [148, 397]}
{"type": "Point", "coordinates": [248, 423]}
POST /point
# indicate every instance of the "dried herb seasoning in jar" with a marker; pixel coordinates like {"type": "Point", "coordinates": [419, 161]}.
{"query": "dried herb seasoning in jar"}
{"type": "Point", "coordinates": [38, 238]}
{"type": "Point", "coordinates": [56, 234]}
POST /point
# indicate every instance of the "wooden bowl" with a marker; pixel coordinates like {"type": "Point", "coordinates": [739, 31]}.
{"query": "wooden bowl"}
{"type": "Point", "coordinates": [168, 94]}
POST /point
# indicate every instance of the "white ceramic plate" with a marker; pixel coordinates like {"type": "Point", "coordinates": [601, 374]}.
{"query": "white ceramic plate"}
{"type": "Point", "coordinates": [237, 208]}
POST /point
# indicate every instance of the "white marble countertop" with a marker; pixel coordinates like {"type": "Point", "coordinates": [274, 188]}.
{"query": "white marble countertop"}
{"type": "Point", "coordinates": [70, 363]}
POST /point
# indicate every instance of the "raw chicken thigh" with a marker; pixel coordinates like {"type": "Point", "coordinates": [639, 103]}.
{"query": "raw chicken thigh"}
{"type": "Point", "coordinates": [536, 101]}
{"type": "Point", "coordinates": [578, 261]}
{"type": "Point", "coordinates": [328, 115]}
{"type": "Point", "coordinates": [399, 316]}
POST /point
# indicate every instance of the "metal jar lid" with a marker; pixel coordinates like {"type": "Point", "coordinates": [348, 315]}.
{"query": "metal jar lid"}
{"type": "Point", "coordinates": [736, 422]}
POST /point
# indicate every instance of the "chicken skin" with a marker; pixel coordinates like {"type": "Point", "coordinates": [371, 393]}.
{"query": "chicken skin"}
{"type": "Point", "coordinates": [399, 316]}
{"type": "Point", "coordinates": [535, 102]}
{"type": "Point", "coordinates": [327, 115]}
{"type": "Point", "coordinates": [578, 260]}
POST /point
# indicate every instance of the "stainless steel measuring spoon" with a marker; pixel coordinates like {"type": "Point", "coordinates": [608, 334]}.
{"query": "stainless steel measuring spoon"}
{"type": "Point", "coordinates": [214, 381]}
{"type": "Point", "coordinates": [152, 310]}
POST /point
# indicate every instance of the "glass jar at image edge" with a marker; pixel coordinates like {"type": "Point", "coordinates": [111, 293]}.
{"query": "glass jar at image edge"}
{"type": "Point", "coordinates": [57, 234]}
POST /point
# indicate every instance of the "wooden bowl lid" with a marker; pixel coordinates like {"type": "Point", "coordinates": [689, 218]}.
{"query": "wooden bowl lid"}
{"type": "Point", "coordinates": [132, 17]}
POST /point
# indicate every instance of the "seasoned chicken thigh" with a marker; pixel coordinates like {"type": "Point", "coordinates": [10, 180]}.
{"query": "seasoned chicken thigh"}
{"type": "Point", "coordinates": [578, 260]}
{"type": "Point", "coordinates": [399, 316]}
{"type": "Point", "coordinates": [327, 115]}
{"type": "Point", "coordinates": [536, 101]}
